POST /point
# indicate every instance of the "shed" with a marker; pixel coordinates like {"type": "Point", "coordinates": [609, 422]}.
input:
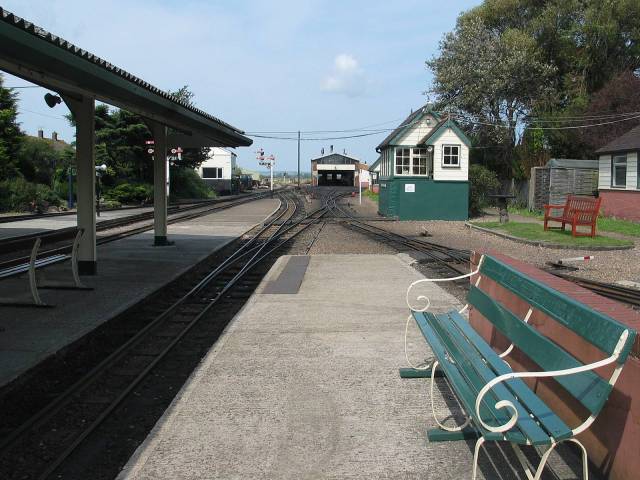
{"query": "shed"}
{"type": "Point", "coordinates": [619, 182]}
{"type": "Point", "coordinates": [560, 177]}
{"type": "Point", "coordinates": [338, 169]}
{"type": "Point", "coordinates": [424, 169]}
{"type": "Point", "coordinates": [218, 169]}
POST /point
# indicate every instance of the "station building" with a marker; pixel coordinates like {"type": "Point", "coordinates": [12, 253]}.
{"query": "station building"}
{"type": "Point", "coordinates": [338, 170]}
{"type": "Point", "coordinates": [424, 169]}
{"type": "Point", "coordinates": [218, 169]}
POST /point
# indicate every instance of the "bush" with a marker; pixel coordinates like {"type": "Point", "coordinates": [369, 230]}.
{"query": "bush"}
{"type": "Point", "coordinates": [127, 193]}
{"type": "Point", "coordinates": [19, 195]}
{"type": "Point", "coordinates": [482, 181]}
{"type": "Point", "coordinates": [186, 183]}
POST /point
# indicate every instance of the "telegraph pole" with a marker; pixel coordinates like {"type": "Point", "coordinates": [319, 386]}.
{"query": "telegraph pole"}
{"type": "Point", "coordinates": [298, 158]}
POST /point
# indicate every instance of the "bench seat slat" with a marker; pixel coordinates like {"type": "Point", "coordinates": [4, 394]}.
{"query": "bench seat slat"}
{"type": "Point", "coordinates": [553, 424]}
{"type": "Point", "coordinates": [478, 374]}
{"type": "Point", "coordinates": [587, 387]}
{"type": "Point", "coordinates": [462, 389]}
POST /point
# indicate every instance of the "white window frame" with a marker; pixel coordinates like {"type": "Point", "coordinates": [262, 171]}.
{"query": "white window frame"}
{"type": "Point", "coordinates": [413, 158]}
{"type": "Point", "coordinates": [219, 173]}
{"type": "Point", "coordinates": [395, 162]}
{"type": "Point", "coordinates": [457, 156]}
{"type": "Point", "coordinates": [619, 161]}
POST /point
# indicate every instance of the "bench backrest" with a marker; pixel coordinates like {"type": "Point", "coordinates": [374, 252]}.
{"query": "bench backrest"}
{"type": "Point", "coordinates": [586, 207]}
{"type": "Point", "coordinates": [598, 329]}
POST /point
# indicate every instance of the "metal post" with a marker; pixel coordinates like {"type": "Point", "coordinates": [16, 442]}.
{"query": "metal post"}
{"type": "Point", "coordinates": [160, 184]}
{"type": "Point", "coordinates": [360, 185]}
{"type": "Point", "coordinates": [70, 185]}
{"type": "Point", "coordinates": [271, 168]}
{"type": "Point", "coordinates": [298, 158]}
{"type": "Point", "coordinates": [84, 111]}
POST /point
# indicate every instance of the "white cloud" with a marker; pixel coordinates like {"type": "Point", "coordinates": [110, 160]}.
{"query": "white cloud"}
{"type": "Point", "coordinates": [346, 77]}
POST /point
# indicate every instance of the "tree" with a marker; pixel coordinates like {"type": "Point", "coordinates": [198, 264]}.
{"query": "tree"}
{"type": "Point", "coordinates": [491, 81]}
{"type": "Point", "coordinates": [10, 134]}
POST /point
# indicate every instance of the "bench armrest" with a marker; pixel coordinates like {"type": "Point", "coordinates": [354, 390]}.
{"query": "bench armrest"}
{"type": "Point", "coordinates": [549, 207]}
{"type": "Point", "coordinates": [426, 280]}
{"type": "Point", "coordinates": [552, 373]}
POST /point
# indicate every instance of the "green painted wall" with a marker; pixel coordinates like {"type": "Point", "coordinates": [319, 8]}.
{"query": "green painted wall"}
{"type": "Point", "coordinates": [432, 200]}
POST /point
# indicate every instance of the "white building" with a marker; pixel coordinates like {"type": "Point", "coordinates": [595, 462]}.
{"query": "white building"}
{"type": "Point", "coordinates": [218, 169]}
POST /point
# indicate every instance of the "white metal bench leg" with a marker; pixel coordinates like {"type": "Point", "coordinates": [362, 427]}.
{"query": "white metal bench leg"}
{"type": "Point", "coordinates": [433, 410]}
{"type": "Point", "coordinates": [476, 453]}
{"type": "Point", "coordinates": [74, 259]}
{"type": "Point", "coordinates": [545, 458]}
{"type": "Point", "coordinates": [33, 284]}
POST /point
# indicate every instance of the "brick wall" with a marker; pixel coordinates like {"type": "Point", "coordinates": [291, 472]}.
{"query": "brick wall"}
{"type": "Point", "coordinates": [612, 441]}
{"type": "Point", "coordinates": [621, 204]}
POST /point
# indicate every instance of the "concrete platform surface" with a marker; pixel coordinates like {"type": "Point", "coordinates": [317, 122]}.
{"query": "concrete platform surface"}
{"type": "Point", "coordinates": [128, 270]}
{"type": "Point", "coordinates": [306, 385]}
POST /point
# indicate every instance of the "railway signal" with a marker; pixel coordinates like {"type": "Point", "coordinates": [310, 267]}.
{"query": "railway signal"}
{"type": "Point", "coordinates": [269, 162]}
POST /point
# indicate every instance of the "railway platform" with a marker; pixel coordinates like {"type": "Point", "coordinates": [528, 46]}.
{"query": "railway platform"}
{"type": "Point", "coordinates": [130, 269]}
{"type": "Point", "coordinates": [304, 384]}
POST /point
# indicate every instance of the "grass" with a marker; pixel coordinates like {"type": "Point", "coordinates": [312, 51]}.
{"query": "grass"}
{"type": "Point", "coordinates": [624, 227]}
{"type": "Point", "coordinates": [371, 195]}
{"type": "Point", "coordinates": [534, 231]}
{"type": "Point", "coordinates": [605, 224]}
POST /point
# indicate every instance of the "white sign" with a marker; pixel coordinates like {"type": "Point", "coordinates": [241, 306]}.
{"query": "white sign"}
{"type": "Point", "coordinates": [409, 188]}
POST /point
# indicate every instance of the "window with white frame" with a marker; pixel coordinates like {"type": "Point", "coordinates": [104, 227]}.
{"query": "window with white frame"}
{"type": "Point", "coordinates": [451, 156]}
{"type": "Point", "coordinates": [619, 171]}
{"type": "Point", "coordinates": [212, 173]}
{"type": "Point", "coordinates": [420, 161]}
{"type": "Point", "coordinates": [403, 161]}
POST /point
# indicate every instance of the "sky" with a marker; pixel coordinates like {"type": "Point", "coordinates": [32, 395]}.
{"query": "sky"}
{"type": "Point", "coordinates": [262, 66]}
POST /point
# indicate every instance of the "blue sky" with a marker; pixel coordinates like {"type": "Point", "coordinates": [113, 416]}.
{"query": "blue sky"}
{"type": "Point", "coordinates": [260, 65]}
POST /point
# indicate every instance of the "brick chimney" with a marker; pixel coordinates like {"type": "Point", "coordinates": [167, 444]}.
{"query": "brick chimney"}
{"type": "Point", "coordinates": [40, 133]}
{"type": "Point", "coordinates": [54, 136]}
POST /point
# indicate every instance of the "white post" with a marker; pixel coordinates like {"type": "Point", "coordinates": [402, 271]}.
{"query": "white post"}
{"type": "Point", "coordinates": [84, 111]}
{"type": "Point", "coordinates": [160, 184]}
{"type": "Point", "coordinates": [271, 168]}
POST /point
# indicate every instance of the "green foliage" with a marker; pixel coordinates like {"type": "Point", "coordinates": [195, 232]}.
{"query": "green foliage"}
{"type": "Point", "coordinates": [482, 182]}
{"type": "Point", "coordinates": [10, 134]}
{"type": "Point", "coordinates": [19, 195]}
{"type": "Point", "coordinates": [373, 196]}
{"type": "Point", "coordinates": [38, 159]}
{"type": "Point", "coordinates": [527, 65]}
{"type": "Point", "coordinates": [130, 194]}
{"type": "Point", "coordinates": [186, 183]}
{"type": "Point", "coordinates": [535, 232]}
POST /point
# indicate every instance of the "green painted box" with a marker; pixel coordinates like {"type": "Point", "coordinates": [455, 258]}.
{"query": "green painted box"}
{"type": "Point", "coordinates": [424, 199]}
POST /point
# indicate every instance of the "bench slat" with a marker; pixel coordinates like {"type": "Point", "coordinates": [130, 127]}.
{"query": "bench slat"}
{"type": "Point", "coordinates": [478, 374]}
{"type": "Point", "coordinates": [553, 424]}
{"type": "Point", "coordinates": [462, 389]}
{"type": "Point", "coordinates": [595, 327]}
{"type": "Point", "coordinates": [587, 387]}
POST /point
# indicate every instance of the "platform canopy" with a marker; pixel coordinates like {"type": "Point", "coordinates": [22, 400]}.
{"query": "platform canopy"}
{"type": "Point", "coordinates": [30, 52]}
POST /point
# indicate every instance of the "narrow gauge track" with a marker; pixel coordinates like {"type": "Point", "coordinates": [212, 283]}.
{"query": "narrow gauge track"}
{"type": "Point", "coordinates": [456, 261]}
{"type": "Point", "coordinates": [171, 206]}
{"type": "Point", "coordinates": [49, 441]}
{"type": "Point", "coordinates": [60, 238]}
{"type": "Point", "coordinates": [443, 259]}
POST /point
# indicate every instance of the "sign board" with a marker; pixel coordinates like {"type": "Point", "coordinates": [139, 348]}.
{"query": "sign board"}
{"type": "Point", "coordinates": [149, 142]}
{"type": "Point", "coordinates": [71, 171]}
{"type": "Point", "coordinates": [409, 188]}
{"type": "Point", "coordinates": [150, 150]}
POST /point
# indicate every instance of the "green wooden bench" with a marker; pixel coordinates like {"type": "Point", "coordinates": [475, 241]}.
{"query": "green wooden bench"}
{"type": "Point", "coordinates": [498, 404]}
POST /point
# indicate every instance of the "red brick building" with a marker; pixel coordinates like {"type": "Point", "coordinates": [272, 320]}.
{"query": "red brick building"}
{"type": "Point", "coordinates": [619, 176]}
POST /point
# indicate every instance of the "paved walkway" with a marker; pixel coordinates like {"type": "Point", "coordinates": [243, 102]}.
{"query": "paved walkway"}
{"type": "Point", "coordinates": [128, 270]}
{"type": "Point", "coordinates": [306, 385]}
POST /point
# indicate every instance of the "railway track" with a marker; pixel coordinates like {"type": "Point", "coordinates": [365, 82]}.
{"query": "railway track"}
{"type": "Point", "coordinates": [443, 259]}
{"type": "Point", "coordinates": [447, 261]}
{"type": "Point", "coordinates": [68, 431]}
{"type": "Point", "coordinates": [59, 240]}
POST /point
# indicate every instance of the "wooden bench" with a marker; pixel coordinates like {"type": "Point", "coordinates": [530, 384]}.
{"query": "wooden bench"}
{"type": "Point", "coordinates": [577, 211]}
{"type": "Point", "coordinates": [35, 263]}
{"type": "Point", "coordinates": [498, 404]}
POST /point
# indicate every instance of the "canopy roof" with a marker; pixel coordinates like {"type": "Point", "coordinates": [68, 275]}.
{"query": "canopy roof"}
{"type": "Point", "coordinates": [30, 52]}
